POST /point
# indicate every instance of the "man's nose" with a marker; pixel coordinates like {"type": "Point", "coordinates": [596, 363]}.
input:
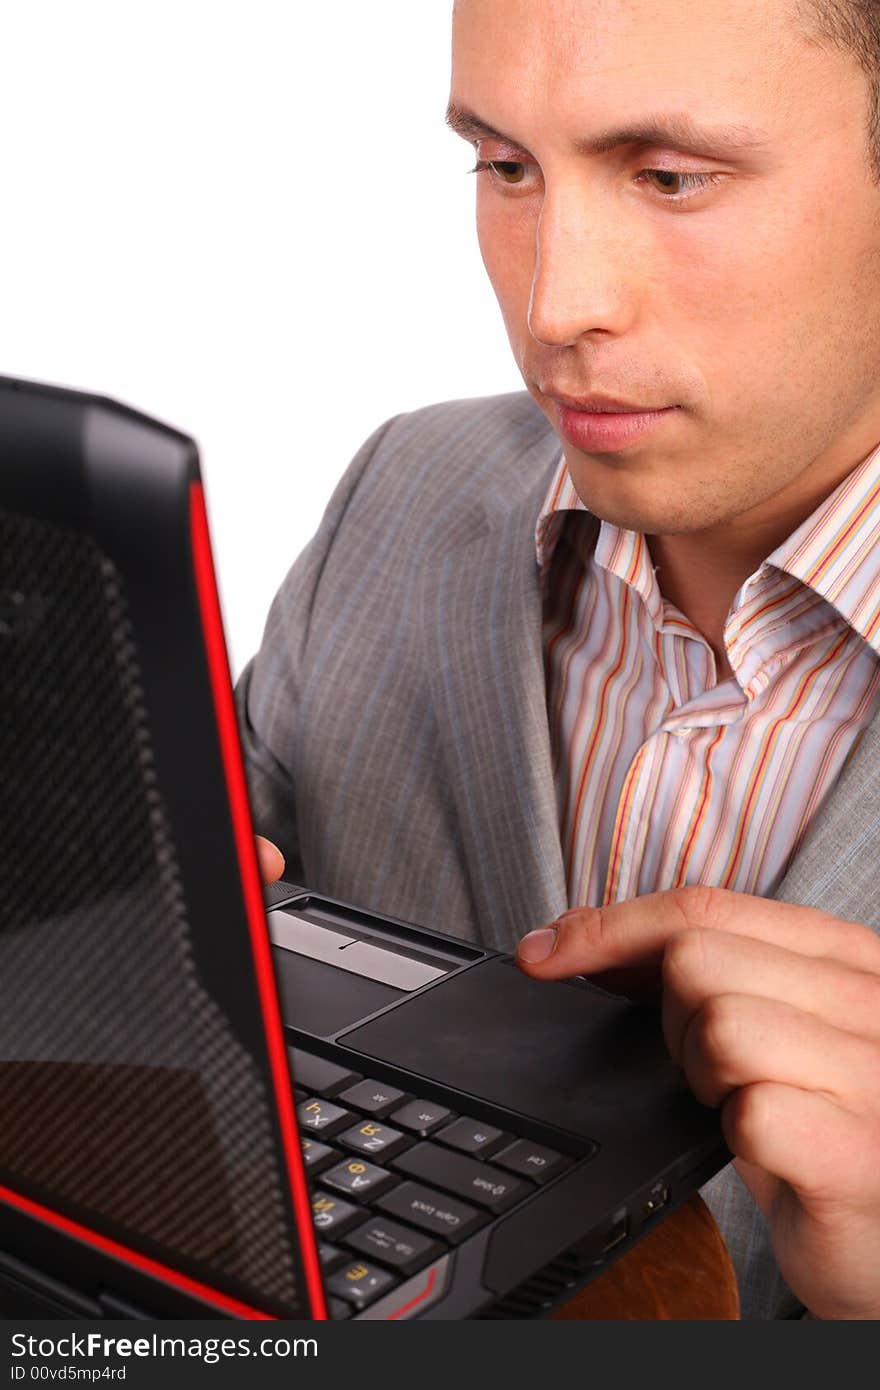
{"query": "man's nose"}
{"type": "Point", "coordinates": [584, 273]}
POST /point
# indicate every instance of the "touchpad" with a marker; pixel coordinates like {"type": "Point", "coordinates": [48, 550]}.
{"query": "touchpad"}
{"type": "Point", "coordinates": [561, 1052]}
{"type": "Point", "coordinates": [320, 999]}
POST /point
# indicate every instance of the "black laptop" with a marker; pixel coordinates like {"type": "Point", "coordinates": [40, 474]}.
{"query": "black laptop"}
{"type": "Point", "coordinates": [211, 1109]}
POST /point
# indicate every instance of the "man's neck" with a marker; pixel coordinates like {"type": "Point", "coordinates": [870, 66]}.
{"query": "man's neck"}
{"type": "Point", "coordinates": [701, 571]}
{"type": "Point", "coordinates": [689, 575]}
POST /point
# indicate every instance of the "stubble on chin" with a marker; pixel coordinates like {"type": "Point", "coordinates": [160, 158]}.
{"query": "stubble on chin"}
{"type": "Point", "coordinates": [660, 497]}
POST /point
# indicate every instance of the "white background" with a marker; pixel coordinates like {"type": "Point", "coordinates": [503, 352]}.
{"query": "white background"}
{"type": "Point", "coordinates": [250, 220]}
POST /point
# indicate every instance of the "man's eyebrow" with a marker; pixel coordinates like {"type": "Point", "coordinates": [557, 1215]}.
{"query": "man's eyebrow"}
{"type": "Point", "coordinates": [676, 129]}
{"type": "Point", "coordinates": [469, 125]}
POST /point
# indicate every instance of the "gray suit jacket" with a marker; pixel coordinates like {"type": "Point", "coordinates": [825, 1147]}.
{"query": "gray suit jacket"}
{"type": "Point", "coordinates": [395, 728]}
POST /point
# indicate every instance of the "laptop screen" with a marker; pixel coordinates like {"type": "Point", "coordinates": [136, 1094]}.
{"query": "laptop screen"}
{"type": "Point", "coordinates": [137, 1100]}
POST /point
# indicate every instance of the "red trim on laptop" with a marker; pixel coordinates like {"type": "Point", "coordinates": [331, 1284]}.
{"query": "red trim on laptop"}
{"type": "Point", "coordinates": [130, 1257]}
{"type": "Point", "coordinates": [419, 1298]}
{"type": "Point", "coordinates": [236, 785]}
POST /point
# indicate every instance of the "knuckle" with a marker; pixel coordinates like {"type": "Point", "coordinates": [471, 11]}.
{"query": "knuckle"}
{"type": "Point", "coordinates": [589, 926]}
{"type": "Point", "coordinates": [862, 944]}
{"type": "Point", "coordinates": [717, 1028]}
{"type": "Point", "coordinates": [577, 923]}
{"type": "Point", "coordinates": [602, 925]}
{"type": "Point", "coordinates": [856, 943]}
{"type": "Point", "coordinates": [747, 1116]}
{"type": "Point", "coordinates": [686, 958]}
{"type": "Point", "coordinates": [585, 930]}
{"type": "Point", "coordinates": [697, 904]}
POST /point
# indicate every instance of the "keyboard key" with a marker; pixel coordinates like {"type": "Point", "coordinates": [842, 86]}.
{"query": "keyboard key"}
{"type": "Point", "coordinates": [363, 1180]}
{"type": "Point", "coordinates": [473, 1137]}
{"type": "Point", "coordinates": [337, 1309]}
{"type": "Point", "coordinates": [432, 1211]}
{"type": "Point", "coordinates": [391, 1244]}
{"type": "Point", "coordinates": [373, 1097]}
{"type": "Point", "coordinates": [422, 1117]}
{"type": "Point", "coordinates": [331, 1256]}
{"type": "Point", "coordinates": [314, 1076]}
{"type": "Point", "coordinates": [317, 1156]}
{"type": "Point", "coordinates": [361, 1284]}
{"type": "Point", "coordinates": [466, 1177]}
{"type": "Point", "coordinates": [372, 1138]}
{"type": "Point", "coordinates": [532, 1160]}
{"type": "Point", "coordinates": [334, 1217]}
{"type": "Point", "coordinates": [322, 1117]}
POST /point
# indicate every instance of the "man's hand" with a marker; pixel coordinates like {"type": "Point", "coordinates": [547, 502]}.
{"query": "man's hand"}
{"type": "Point", "coordinates": [773, 1012]}
{"type": "Point", "coordinates": [270, 858]}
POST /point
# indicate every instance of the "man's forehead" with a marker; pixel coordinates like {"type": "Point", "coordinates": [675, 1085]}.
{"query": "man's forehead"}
{"type": "Point", "coordinates": [565, 20]}
{"type": "Point", "coordinates": [661, 36]}
{"type": "Point", "coordinates": [719, 74]}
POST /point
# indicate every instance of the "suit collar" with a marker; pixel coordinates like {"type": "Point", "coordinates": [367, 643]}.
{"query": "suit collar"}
{"type": "Point", "coordinates": [481, 603]}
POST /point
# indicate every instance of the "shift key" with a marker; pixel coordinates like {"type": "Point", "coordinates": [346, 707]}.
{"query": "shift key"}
{"type": "Point", "coordinates": [432, 1211]}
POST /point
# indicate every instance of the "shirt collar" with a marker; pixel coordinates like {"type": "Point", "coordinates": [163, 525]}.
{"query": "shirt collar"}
{"type": "Point", "coordinates": [560, 498]}
{"type": "Point", "coordinates": [835, 552]}
{"type": "Point", "coordinates": [624, 553]}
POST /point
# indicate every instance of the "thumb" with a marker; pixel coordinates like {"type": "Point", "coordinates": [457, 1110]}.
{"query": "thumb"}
{"type": "Point", "coordinates": [270, 859]}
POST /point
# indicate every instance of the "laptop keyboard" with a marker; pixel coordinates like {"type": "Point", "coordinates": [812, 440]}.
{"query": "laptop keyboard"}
{"type": "Point", "coordinates": [397, 1180]}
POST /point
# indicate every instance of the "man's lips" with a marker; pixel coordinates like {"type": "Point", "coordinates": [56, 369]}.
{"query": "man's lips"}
{"type": "Point", "coordinates": [600, 403]}
{"type": "Point", "coordinates": [605, 426]}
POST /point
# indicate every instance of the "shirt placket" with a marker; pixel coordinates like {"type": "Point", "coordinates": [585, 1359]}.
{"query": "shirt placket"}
{"type": "Point", "coordinates": [636, 816]}
{"type": "Point", "coordinates": [632, 821]}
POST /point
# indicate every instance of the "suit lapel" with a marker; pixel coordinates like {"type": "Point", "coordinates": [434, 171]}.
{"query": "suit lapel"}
{"type": "Point", "coordinates": [482, 623]}
{"type": "Point", "coordinates": [836, 867]}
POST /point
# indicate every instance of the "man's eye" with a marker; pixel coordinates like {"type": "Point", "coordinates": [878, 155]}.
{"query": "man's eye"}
{"type": "Point", "coordinates": [674, 185]}
{"type": "Point", "coordinates": [679, 186]}
{"type": "Point", "coordinates": [506, 170]}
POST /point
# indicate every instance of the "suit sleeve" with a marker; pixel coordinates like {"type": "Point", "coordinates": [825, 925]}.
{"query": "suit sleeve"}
{"type": "Point", "coordinates": [267, 693]}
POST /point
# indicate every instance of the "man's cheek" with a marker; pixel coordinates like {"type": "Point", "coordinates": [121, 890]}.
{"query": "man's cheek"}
{"type": "Point", "coordinates": [507, 246]}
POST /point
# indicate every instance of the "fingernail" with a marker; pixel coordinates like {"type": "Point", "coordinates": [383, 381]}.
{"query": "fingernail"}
{"type": "Point", "coordinates": [538, 945]}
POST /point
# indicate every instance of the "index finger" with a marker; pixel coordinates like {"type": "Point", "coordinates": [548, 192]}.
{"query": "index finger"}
{"type": "Point", "coordinates": [633, 934]}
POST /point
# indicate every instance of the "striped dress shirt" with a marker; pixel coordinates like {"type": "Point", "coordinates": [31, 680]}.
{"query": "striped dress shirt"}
{"type": "Point", "coordinates": [665, 776]}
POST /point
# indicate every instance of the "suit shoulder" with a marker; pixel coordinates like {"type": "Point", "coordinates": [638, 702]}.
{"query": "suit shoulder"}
{"type": "Point", "coordinates": [472, 448]}
{"type": "Point", "coordinates": [509, 410]}
{"type": "Point", "coordinates": [493, 423]}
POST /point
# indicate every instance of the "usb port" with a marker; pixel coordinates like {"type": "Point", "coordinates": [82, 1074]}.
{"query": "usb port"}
{"type": "Point", "coordinates": [656, 1199]}
{"type": "Point", "coordinates": [617, 1231]}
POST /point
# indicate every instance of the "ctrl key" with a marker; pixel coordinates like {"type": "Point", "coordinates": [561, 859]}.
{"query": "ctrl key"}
{"type": "Point", "coordinates": [360, 1283]}
{"type": "Point", "coordinates": [432, 1211]}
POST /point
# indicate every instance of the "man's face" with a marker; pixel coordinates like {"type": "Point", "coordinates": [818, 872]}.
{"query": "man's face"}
{"type": "Point", "coordinates": [740, 284]}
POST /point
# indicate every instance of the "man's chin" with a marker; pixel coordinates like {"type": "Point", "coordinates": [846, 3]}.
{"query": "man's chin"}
{"type": "Point", "coordinates": [647, 498]}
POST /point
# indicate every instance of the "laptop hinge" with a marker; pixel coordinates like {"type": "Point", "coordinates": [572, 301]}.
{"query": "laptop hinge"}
{"type": "Point", "coordinates": [46, 1289]}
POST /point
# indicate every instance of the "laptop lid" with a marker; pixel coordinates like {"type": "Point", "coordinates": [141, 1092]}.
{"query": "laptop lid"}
{"type": "Point", "coordinates": [144, 1084]}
